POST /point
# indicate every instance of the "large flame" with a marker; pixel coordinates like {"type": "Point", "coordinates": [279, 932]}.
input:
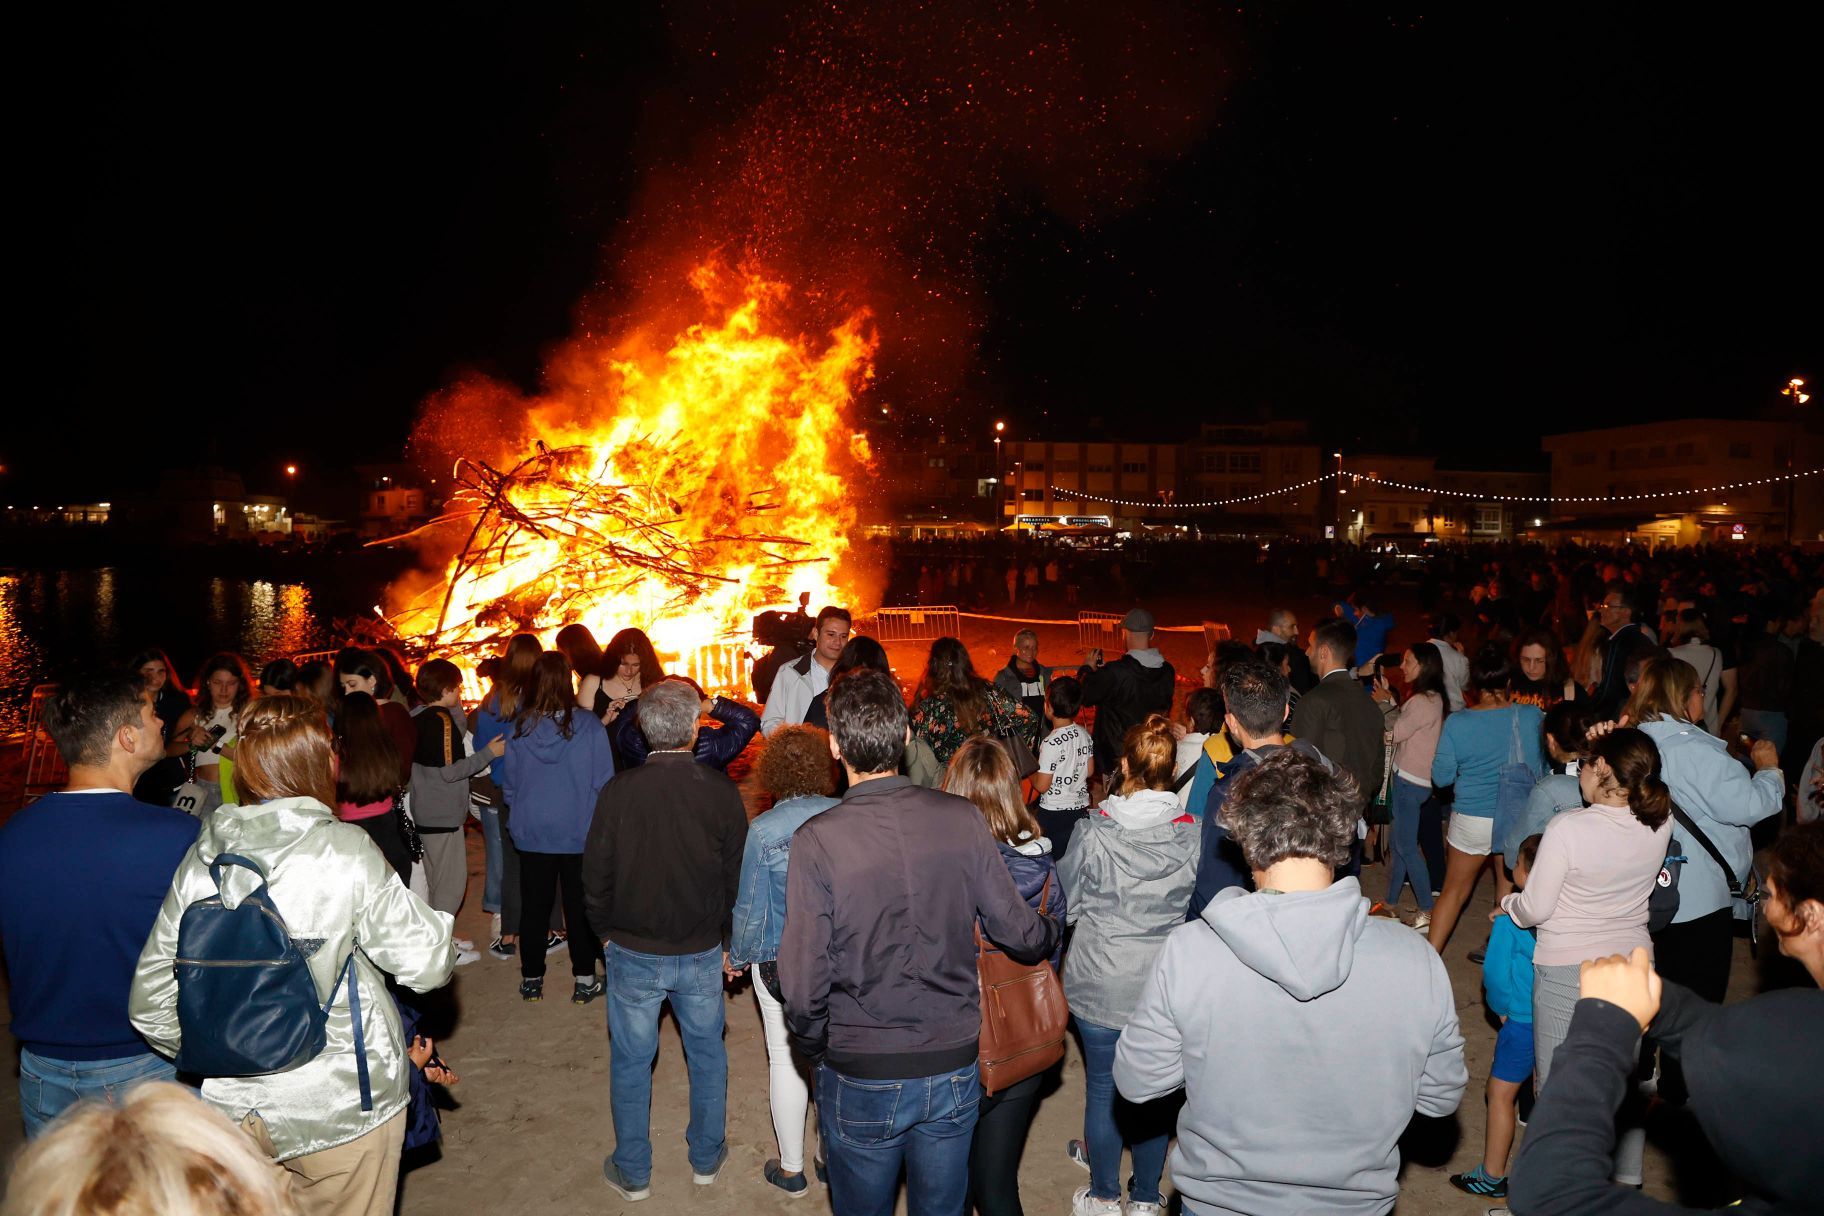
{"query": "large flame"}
{"type": "Point", "coordinates": [680, 491]}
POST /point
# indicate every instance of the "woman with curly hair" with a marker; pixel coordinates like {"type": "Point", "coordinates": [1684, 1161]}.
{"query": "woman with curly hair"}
{"type": "Point", "coordinates": [953, 703]}
{"type": "Point", "coordinates": [795, 769]}
{"type": "Point", "coordinates": [1255, 1011]}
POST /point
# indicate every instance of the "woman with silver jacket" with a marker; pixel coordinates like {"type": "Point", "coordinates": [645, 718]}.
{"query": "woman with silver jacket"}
{"type": "Point", "coordinates": [334, 889]}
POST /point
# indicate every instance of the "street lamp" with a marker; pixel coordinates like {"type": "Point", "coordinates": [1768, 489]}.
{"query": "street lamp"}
{"type": "Point", "coordinates": [291, 470]}
{"type": "Point", "coordinates": [998, 428]}
{"type": "Point", "coordinates": [1795, 390]}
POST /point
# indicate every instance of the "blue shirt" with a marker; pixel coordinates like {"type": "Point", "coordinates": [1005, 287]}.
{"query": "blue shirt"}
{"type": "Point", "coordinates": [82, 877]}
{"type": "Point", "coordinates": [1507, 971]}
{"type": "Point", "coordinates": [1476, 744]}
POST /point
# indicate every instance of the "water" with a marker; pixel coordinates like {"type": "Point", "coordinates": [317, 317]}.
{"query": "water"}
{"type": "Point", "coordinates": [53, 621]}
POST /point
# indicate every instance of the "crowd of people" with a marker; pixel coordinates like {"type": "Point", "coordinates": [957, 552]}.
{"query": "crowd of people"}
{"type": "Point", "coordinates": [1165, 871]}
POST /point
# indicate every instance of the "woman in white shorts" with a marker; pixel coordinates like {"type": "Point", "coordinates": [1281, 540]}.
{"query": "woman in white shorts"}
{"type": "Point", "coordinates": [1491, 735]}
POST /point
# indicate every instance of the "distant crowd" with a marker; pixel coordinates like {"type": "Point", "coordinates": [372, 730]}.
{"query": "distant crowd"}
{"type": "Point", "coordinates": [225, 938]}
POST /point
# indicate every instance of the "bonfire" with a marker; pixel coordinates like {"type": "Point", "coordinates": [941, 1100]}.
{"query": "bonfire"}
{"type": "Point", "coordinates": [682, 491]}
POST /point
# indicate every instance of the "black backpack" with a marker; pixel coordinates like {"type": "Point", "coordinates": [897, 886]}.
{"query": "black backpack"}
{"type": "Point", "coordinates": [246, 1004]}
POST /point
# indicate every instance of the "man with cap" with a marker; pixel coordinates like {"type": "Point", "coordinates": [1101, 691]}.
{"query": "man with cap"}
{"type": "Point", "coordinates": [1125, 691]}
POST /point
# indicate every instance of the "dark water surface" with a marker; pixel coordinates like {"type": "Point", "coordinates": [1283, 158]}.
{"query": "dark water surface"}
{"type": "Point", "coordinates": [52, 621]}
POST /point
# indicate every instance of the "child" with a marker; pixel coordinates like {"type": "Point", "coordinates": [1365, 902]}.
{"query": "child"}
{"type": "Point", "coordinates": [1507, 976]}
{"type": "Point", "coordinates": [441, 768]}
{"type": "Point", "coordinates": [1203, 718]}
{"type": "Point", "coordinates": [1064, 765]}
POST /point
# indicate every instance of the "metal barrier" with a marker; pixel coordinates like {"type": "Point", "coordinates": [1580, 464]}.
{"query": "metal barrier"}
{"type": "Point", "coordinates": [919, 624]}
{"type": "Point", "coordinates": [720, 669]}
{"type": "Point", "coordinates": [45, 770]}
{"type": "Point", "coordinates": [314, 656]}
{"type": "Point", "coordinates": [1214, 632]}
{"type": "Point", "coordinates": [1101, 629]}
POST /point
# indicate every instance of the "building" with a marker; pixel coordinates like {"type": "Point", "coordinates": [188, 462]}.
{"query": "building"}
{"type": "Point", "coordinates": [1269, 478]}
{"type": "Point", "coordinates": [1399, 495]}
{"type": "Point", "coordinates": [1134, 484]}
{"type": "Point", "coordinates": [1632, 479]}
{"type": "Point", "coordinates": [394, 500]}
{"type": "Point", "coordinates": [941, 488]}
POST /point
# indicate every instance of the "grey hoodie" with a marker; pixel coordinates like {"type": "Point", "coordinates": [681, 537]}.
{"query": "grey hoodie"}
{"type": "Point", "coordinates": [1305, 1034]}
{"type": "Point", "coordinates": [1128, 873]}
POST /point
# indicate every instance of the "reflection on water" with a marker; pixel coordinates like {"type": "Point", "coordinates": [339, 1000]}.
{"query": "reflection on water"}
{"type": "Point", "coordinates": [52, 622]}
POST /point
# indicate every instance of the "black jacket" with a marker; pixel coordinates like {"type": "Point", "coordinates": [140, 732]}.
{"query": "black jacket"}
{"type": "Point", "coordinates": [717, 746]}
{"type": "Point", "coordinates": [877, 960]}
{"type": "Point", "coordinates": [1753, 1068]}
{"type": "Point", "coordinates": [1341, 720]}
{"type": "Point", "coordinates": [1124, 692]}
{"type": "Point", "coordinates": [662, 864]}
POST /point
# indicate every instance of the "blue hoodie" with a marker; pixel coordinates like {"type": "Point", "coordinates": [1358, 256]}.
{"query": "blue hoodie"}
{"type": "Point", "coordinates": [552, 782]}
{"type": "Point", "coordinates": [1507, 971]}
{"type": "Point", "coordinates": [1713, 788]}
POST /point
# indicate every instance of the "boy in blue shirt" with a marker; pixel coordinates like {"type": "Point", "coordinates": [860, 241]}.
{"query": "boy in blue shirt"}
{"type": "Point", "coordinates": [1507, 979]}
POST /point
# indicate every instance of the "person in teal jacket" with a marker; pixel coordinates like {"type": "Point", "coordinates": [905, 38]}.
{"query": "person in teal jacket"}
{"type": "Point", "coordinates": [1507, 981]}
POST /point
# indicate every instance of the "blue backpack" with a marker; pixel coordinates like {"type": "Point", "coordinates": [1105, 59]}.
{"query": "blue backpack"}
{"type": "Point", "coordinates": [246, 1004]}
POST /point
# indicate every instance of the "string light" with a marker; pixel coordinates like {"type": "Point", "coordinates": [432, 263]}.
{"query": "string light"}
{"type": "Point", "coordinates": [1643, 496]}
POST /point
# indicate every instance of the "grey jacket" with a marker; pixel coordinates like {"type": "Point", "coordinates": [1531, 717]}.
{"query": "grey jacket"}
{"type": "Point", "coordinates": [1304, 1034]}
{"type": "Point", "coordinates": [1127, 886]}
{"type": "Point", "coordinates": [440, 792]}
{"type": "Point", "coordinates": [333, 887]}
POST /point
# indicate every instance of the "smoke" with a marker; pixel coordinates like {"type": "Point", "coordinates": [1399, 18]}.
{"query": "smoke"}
{"type": "Point", "coordinates": [870, 157]}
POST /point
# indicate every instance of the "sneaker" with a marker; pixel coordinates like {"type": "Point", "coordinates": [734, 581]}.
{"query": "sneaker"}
{"type": "Point", "coordinates": [586, 991]}
{"type": "Point", "coordinates": [1078, 1152]}
{"type": "Point", "coordinates": [556, 940]}
{"type": "Point", "coordinates": [1476, 956]}
{"type": "Point", "coordinates": [1082, 1205]}
{"type": "Point", "coordinates": [1421, 923]}
{"type": "Point", "coordinates": [1477, 1182]}
{"type": "Point", "coordinates": [705, 1177]}
{"type": "Point", "coordinates": [462, 943]}
{"type": "Point", "coordinates": [822, 1168]}
{"type": "Point", "coordinates": [795, 1185]}
{"type": "Point", "coordinates": [617, 1182]}
{"type": "Point", "coordinates": [532, 990]}
{"type": "Point", "coordinates": [1136, 1208]}
{"type": "Point", "coordinates": [466, 955]}
{"type": "Point", "coordinates": [500, 949]}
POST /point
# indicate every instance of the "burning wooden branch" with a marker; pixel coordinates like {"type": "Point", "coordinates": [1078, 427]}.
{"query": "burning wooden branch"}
{"type": "Point", "coordinates": [558, 535]}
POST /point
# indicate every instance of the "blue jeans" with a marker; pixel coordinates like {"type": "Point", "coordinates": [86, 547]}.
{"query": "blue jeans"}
{"type": "Point", "coordinates": [49, 1087]}
{"type": "Point", "coordinates": [637, 985]}
{"type": "Point", "coordinates": [1102, 1108]}
{"type": "Point", "coordinates": [872, 1129]}
{"type": "Point", "coordinates": [1408, 859]}
{"type": "Point", "coordinates": [491, 869]}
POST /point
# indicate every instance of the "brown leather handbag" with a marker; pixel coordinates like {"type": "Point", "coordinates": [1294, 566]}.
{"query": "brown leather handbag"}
{"type": "Point", "coordinates": [1024, 1017]}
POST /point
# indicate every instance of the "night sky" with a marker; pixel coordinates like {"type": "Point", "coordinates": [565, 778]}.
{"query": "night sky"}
{"type": "Point", "coordinates": [1456, 230]}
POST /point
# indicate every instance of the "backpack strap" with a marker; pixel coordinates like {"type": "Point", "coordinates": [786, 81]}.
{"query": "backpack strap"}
{"type": "Point", "coordinates": [354, 1016]}
{"type": "Point", "coordinates": [1685, 821]}
{"type": "Point", "coordinates": [1184, 778]}
{"type": "Point", "coordinates": [448, 752]}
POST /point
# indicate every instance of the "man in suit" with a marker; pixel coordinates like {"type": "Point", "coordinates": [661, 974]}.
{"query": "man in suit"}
{"type": "Point", "coordinates": [1340, 719]}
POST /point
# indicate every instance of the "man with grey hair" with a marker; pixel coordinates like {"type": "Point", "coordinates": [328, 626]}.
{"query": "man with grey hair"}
{"type": "Point", "coordinates": [660, 872]}
{"type": "Point", "coordinates": [1294, 970]}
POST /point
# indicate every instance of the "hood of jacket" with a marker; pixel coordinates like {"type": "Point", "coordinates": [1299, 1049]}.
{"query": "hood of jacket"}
{"type": "Point", "coordinates": [1148, 658]}
{"type": "Point", "coordinates": [265, 831]}
{"type": "Point", "coordinates": [545, 743]}
{"type": "Point", "coordinates": [1303, 941]}
{"type": "Point", "coordinates": [1143, 808]}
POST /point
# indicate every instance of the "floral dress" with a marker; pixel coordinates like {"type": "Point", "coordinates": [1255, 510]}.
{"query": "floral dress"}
{"type": "Point", "coordinates": [934, 718]}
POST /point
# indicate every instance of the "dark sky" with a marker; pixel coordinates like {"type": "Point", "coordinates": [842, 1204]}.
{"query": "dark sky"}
{"type": "Point", "coordinates": [1454, 230]}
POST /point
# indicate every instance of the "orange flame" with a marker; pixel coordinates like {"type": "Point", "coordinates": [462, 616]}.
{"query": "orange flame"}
{"type": "Point", "coordinates": [680, 491]}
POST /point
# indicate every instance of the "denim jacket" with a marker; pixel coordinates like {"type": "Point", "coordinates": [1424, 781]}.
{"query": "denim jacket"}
{"type": "Point", "coordinates": [760, 905]}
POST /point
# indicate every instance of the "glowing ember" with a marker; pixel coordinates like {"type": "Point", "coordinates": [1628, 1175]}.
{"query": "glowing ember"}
{"type": "Point", "coordinates": [681, 492]}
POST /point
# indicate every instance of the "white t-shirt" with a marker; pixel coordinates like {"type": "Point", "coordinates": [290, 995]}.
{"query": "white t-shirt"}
{"type": "Point", "coordinates": [1065, 754]}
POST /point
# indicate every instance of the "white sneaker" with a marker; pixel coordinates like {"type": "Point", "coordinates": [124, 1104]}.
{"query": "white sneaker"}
{"type": "Point", "coordinates": [1082, 1205]}
{"type": "Point", "coordinates": [465, 957]}
{"type": "Point", "coordinates": [463, 943]}
{"type": "Point", "coordinates": [1135, 1208]}
{"type": "Point", "coordinates": [1421, 923]}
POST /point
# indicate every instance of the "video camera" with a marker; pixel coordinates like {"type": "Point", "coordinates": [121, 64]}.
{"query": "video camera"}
{"type": "Point", "coordinates": [788, 631]}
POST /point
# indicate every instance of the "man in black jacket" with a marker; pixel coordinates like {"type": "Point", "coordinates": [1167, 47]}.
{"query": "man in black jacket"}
{"type": "Point", "coordinates": [661, 869]}
{"type": "Point", "coordinates": [877, 961]}
{"type": "Point", "coordinates": [1340, 719]}
{"type": "Point", "coordinates": [1125, 691]}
